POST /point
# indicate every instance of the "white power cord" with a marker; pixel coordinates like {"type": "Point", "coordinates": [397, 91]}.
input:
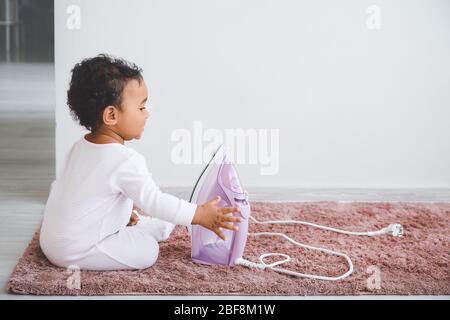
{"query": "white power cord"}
{"type": "Point", "coordinates": [395, 230]}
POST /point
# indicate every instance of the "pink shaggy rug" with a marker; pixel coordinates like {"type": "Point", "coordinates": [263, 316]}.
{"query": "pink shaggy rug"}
{"type": "Point", "coordinates": [417, 264]}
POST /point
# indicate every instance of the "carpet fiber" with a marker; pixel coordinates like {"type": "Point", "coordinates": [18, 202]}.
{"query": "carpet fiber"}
{"type": "Point", "coordinates": [417, 264]}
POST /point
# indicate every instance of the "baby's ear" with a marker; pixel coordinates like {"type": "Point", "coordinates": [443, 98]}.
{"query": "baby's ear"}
{"type": "Point", "coordinates": [110, 115]}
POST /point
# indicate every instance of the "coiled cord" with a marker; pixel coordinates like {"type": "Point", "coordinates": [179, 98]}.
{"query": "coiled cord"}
{"type": "Point", "coordinates": [395, 230]}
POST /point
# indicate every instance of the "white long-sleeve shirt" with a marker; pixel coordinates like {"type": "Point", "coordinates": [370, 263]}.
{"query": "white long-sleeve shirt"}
{"type": "Point", "coordinates": [92, 197]}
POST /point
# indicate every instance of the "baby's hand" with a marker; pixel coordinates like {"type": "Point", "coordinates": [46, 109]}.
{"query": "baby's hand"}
{"type": "Point", "coordinates": [210, 216]}
{"type": "Point", "coordinates": [134, 218]}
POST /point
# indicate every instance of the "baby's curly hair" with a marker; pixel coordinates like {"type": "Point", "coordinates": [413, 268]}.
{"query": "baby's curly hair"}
{"type": "Point", "coordinates": [97, 83]}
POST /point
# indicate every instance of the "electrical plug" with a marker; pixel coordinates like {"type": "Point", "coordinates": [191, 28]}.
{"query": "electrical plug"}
{"type": "Point", "coordinates": [395, 230]}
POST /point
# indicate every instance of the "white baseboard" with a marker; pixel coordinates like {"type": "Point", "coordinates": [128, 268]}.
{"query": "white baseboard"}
{"type": "Point", "coordinates": [339, 195]}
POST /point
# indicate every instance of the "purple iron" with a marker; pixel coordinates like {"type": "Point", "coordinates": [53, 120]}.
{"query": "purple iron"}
{"type": "Point", "coordinates": [220, 178]}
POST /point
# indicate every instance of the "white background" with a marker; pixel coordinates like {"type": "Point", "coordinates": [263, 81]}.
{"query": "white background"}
{"type": "Point", "coordinates": [355, 107]}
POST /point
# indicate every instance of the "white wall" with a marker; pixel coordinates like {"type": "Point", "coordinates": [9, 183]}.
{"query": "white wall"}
{"type": "Point", "coordinates": [355, 107]}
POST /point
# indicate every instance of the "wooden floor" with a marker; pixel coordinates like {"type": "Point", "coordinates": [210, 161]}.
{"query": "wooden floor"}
{"type": "Point", "coordinates": [26, 169]}
{"type": "Point", "coordinates": [27, 165]}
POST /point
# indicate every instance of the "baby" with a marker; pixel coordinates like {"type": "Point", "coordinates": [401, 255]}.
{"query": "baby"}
{"type": "Point", "coordinates": [88, 220]}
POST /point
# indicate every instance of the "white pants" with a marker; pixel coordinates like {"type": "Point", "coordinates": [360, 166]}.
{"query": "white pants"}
{"type": "Point", "coordinates": [134, 247]}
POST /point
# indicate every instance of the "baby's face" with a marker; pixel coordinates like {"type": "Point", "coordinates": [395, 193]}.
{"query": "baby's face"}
{"type": "Point", "coordinates": [132, 117]}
